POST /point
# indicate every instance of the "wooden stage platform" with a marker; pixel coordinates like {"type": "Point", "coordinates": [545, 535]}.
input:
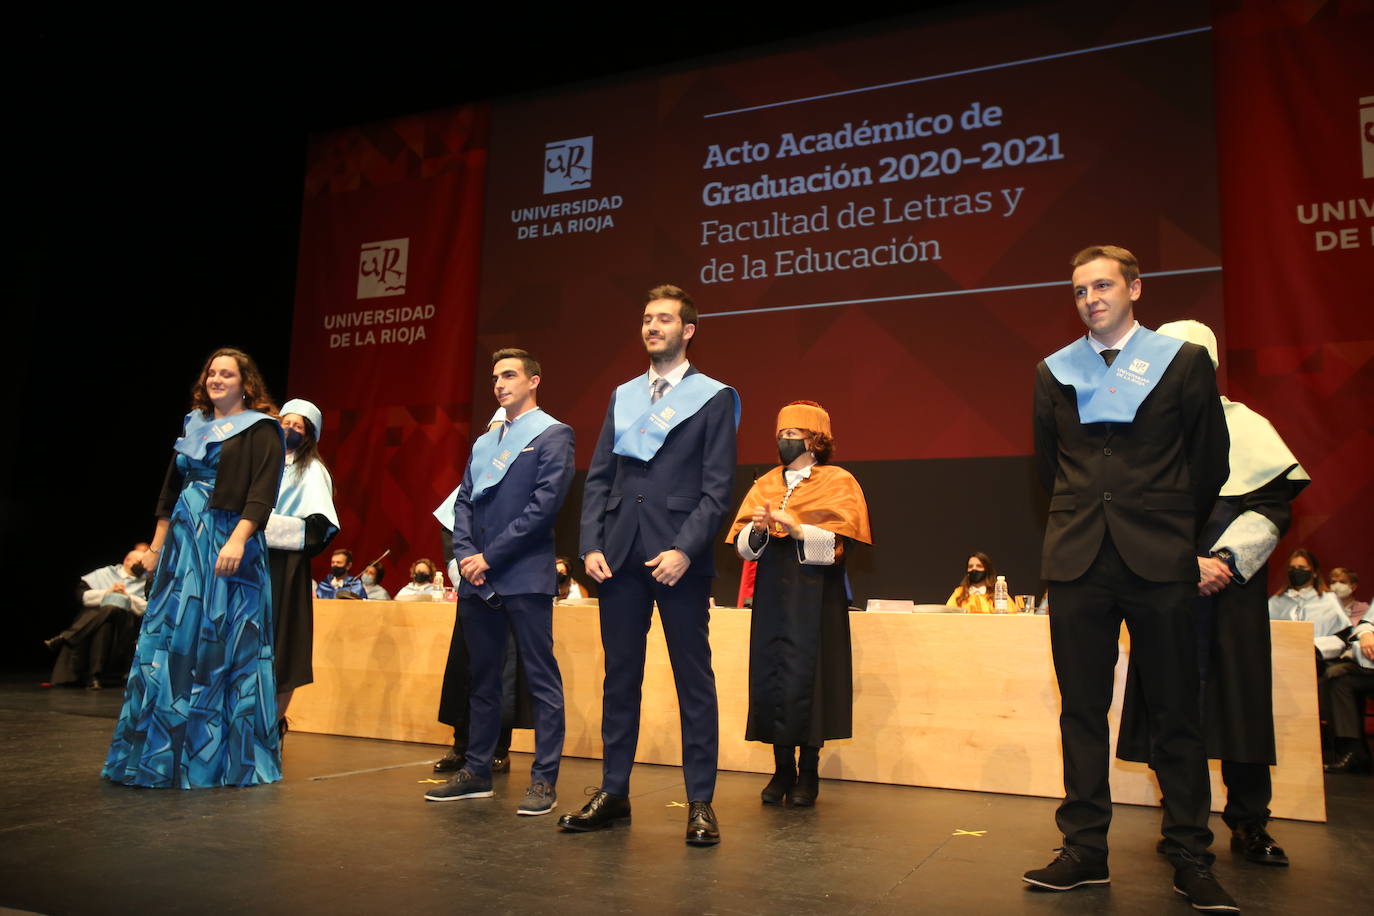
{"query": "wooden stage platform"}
{"type": "Point", "coordinates": [949, 701]}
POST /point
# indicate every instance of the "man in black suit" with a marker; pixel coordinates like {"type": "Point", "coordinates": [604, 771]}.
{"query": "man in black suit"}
{"type": "Point", "coordinates": [656, 494]}
{"type": "Point", "coordinates": [1131, 443]}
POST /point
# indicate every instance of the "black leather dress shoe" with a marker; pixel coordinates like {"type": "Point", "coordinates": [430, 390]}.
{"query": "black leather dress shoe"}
{"type": "Point", "coordinates": [451, 762]}
{"type": "Point", "coordinates": [1349, 762]}
{"type": "Point", "coordinates": [702, 829]}
{"type": "Point", "coordinates": [603, 810]}
{"type": "Point", "coordinates": [1255, 843]}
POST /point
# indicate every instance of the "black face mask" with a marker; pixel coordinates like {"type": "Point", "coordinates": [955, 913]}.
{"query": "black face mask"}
{"type": "Point", "coordinates": [137, 570]}
{"type": "Point", "coordinates": [977, 575]}
{"type": "Point", "coordinates": [1298, 577]}
{"type": "Point", "coordinates": [789, 450]}
{"type": "Point", "coordinates": [424, 578]}
{"type": "Point", "coordinates": [294, 438]}
{"type": "Point", "coordinates": [562, 577]}
{"type": "Point", "coordinates": [338, 572]}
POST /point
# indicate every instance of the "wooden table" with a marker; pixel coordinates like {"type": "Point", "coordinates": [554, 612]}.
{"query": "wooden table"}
{"type": "Point", "coordinates": [952, 701]}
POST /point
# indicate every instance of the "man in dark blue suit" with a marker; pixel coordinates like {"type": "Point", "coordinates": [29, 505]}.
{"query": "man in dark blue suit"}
{"type": "Point", "coordinates": [656, 494]}
{"type": "Point", "coordinates": [517, 478]}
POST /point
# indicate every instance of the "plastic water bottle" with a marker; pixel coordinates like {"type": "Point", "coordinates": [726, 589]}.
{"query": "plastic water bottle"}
{"type": "Point", "coordinates": [999, 595]}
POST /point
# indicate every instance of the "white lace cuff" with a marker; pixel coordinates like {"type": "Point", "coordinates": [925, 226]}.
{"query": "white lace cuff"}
{"type": "Point", "coordinates": [816, 546]}
{"type": "Point", "coordinates": [284, 532]}
{"type": "Point", "coordinates": [1250, 538]}
{"type": "Point", "coordinates": [742, 544]}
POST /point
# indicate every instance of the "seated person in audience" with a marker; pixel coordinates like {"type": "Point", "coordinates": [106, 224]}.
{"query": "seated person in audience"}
{"type": "Point", "coordinates": [422, 585]}
{"type": "Point", "coordinates": [1308, 598]}
{"type": "Point", "coordinates": [974, 594]}
{"type": "Point", "coordinates": [372, 582]}
{"type": "Point", "coordinates": [339, 584]}
{"type": "Point", "coordinates": [97, 648]}
{"type": "Point", "coordinates": [1344, 584]}
{"type": "Point", "coordinates": [1348, 684]}
{"type": "Point", "coordinates": [568, 588]}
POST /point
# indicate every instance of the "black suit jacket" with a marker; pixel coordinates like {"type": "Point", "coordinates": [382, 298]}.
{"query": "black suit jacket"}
{"type": "Point", "coordinates": [1151, 482]}
{"type": "Point", "coordinates": [679, 499]}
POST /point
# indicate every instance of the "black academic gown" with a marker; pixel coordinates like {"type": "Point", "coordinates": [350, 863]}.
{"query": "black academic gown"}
{"type": "Point", "coordinates": [800, 666]}
{"type": "Point", "coordinates": [1233, 631]}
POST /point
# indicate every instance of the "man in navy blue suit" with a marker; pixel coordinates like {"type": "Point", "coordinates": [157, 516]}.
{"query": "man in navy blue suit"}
{"type": "Point", "coordinates": [517, 477]}
{"type": "Point", "coordinates": [657, 492]}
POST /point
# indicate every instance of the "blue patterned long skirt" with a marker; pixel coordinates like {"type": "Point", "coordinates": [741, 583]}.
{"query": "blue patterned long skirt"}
{"type": "Point", "coordinates": [200, 708]}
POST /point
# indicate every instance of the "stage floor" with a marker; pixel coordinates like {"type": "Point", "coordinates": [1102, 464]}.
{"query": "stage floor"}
{"type": "Point", "coordinates": [347, 831]}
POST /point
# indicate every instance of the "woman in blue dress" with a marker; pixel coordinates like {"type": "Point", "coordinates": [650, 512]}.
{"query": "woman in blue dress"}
{"type": "Point", "coordinates": [200, 706]}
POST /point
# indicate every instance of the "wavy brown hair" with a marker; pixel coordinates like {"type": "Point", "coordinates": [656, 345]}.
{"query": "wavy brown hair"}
{"type": "Point", "coordinates": [255, 393]}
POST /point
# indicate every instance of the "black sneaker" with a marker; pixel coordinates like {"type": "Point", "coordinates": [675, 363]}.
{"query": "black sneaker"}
{"type": "Point", "coordinates": [1067, 871]}
{"type": "Point", "coordinates": [462, 785]}
{"type": "Point", "coordinates": [540, 798]}
{"type": "Point", "coordinates": [1195, 881]}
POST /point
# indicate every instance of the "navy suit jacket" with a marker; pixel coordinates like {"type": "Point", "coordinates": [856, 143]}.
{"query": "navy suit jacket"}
{"type": "Point", "coordinates": [679, 499]}
{"type": "Point", "coordinates": [511, 524]}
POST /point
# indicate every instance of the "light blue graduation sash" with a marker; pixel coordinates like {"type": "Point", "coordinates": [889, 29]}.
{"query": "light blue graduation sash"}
{"type": "Point", "coordinates": [444, 511]}
{"type": "Point", "coordinates": [492, 456]}
{"type": "Point", "coordinates": [1113, 394]}
{"type": "Point", "coordinates": [200, 431]}
{"type": "Point", "coordinates": [641, 425]}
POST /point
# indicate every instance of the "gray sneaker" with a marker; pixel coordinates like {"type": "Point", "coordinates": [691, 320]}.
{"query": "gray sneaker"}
{"type": "Point", "coordinates": [540, 798]}
{"type": "Point", "coordinates": [462, 785]}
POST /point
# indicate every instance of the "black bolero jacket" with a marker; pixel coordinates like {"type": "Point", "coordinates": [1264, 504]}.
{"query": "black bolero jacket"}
{"type": "Point", "coordinates": [247, 479]}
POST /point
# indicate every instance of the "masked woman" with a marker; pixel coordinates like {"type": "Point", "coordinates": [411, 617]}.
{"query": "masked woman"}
{"type": "Point", "coordinates": [974, 593]}
{"type": "Point", "coordinates": [301, 527]}
{"type": "Point", "coordinates": [200, 706]}
{"type": "Point", "coordinates": [796, 523]}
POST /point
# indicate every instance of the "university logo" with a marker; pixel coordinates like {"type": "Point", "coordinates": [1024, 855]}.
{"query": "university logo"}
{"type": "Point", "coordinates": [1138, 366]}
{"type": "Point", "coordinates": [568, 165]}
{"type": "Point", "coordinates": [382, 268]}
{"type": "Point", "coordinates": [1367, 134]}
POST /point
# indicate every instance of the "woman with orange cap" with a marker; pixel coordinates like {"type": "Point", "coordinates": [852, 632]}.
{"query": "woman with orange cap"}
{"type": "Point", "coordinates": [795, 522]}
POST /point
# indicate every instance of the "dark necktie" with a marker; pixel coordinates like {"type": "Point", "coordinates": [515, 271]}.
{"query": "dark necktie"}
{"type": "Point", "coordinates": [660, 389]}
{"type": "Point", "coordinates": [1109, 356]}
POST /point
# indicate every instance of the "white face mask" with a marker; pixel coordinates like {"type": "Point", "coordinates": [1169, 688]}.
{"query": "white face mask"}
{"type": "Point", "coordinates": [1342, 590]}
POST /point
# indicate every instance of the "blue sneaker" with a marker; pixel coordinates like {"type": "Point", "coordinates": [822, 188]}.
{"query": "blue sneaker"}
{"type": "Point", "coordinates": [540, 798]}
{"type": "Point", "coordinates": [462, 785]}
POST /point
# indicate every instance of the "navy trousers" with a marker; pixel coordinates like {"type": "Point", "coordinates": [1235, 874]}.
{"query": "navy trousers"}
{"type": "Point", "coordinates": [530, 618]}
{"type": "Point", "coordinates": [627, 600]}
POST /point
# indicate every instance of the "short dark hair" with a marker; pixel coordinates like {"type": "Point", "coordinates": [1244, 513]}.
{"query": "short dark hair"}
{"type": "Point", "coordinates": [342, 550]}
{"type": "Point", "coordinates": [1130, 267]}
{"type": "Point", "coordinates": [530, 364]}
{"type": "Point", "coordinates": [687, 309]}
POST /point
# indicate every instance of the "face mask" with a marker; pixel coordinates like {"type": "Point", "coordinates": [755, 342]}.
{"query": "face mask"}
{"type": "Point", "coordinates": [562, 577]}
{"type": "Point", "coordinates": [789, 450]}
{"type": "Point", "coordinates": [338, 572]}
{"type": "Point", "coordinates": [424, 578]}
{"type": "Point", "coordinates": [977, 575]}
{"type": "Point", "coordinates": [1298, 577]}
{"type": "Point", "coordinates": [369, 580]}
{"type": "Point", "coordinates": [1342, 590]}
{"type": "Point", "coordinates": [137, 570]}
{"type": "Point", "coordinates": [293, 439]}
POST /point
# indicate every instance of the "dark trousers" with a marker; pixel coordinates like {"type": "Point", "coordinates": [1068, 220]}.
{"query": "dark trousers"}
{"type": "Point", "coordinates": [98, 644]}
{"type": "Point", "coordinates": [1248, 791]}
{"type": "Point", "coordinates": [530, 618]}
{"type": "Point", "coordinates": [1085, 622]}
{"type": "Point", "coordinates": [1347, 684]}
{"type": "Point", "coordinates": [627, 600]}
